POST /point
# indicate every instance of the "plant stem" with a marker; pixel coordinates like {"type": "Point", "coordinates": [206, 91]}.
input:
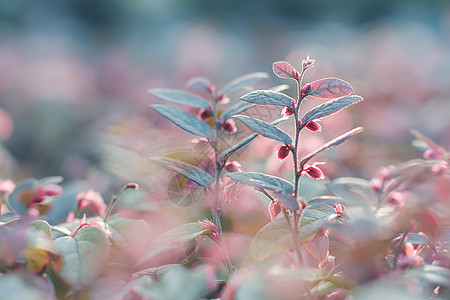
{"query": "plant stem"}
{"type": "Point", "coordinates": [114, 200]}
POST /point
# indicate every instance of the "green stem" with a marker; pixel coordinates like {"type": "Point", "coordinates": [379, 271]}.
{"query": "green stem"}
{"type": "Point", "coordinates": [114, 200]}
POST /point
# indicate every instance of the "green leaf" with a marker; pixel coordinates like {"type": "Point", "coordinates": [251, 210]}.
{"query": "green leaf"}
{"type": "Point", "coordinates": [276, 237]}
{"type": "Point", "coordinates": [263, 181]}
{"type": "Point", "coordinates": [84, 256]}
{"type": "Point", "coordinates": [17, 201]}
{"type": "Point", "coordinates": [180, 97]}
{"type": "Point", "coordinates": [235, 109]}
{"type": "Point", "coordinates": [189, 171]}
{"type": "Point", "coordinates": [265, 129]}
{"type": "Point", "coordinates": [24, 286]}
{"type": "Point", "coordinates": [226, 154]}
{"type": "Point", "coordinates": [268, 97]}
{"type": "Point", "coordinates": [330, 107]}
{"type": "Point", "coordinates": [330, 88]}
{"type": "Point", "coordinates": [175, 239]}
{"type": "Point", "coordinates": [243, 81]}
{"type": "Point", "coordinates": [334, 142]}
{"type": "Point", "coordinates": [184, 120]}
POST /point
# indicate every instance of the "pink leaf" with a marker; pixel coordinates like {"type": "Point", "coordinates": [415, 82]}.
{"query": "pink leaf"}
{"type": "Point", "coordinates": [329, 88]}
{"type": "Point", "coordinates": [284, 70]}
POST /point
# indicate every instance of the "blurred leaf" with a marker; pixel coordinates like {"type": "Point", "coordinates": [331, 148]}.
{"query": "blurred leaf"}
{"type": "Point", "coordinates": [154, 273]}
{"type": "Point", "coordinates": [199, 83]}
{"type": "Point", "coordinates": [174, 239]}
{"type": "Point", "coordinates": [243, 81]}
{"type": "Point", "coordinates": [84, 256]}
{"type": "Point", "coordinates": [184, 120]}
{"type": "Point", "coordinates": [226, 154]}
{"type": "Point", "coordinates": [353, 191]}
{"type": "Point", "coordinates": [263, 181]}
{"type": "Point", "coordinates": [268, 97]}
{"type": "Point", "coordinates": [24, 286]}
{"type": "Point", "coordinates": [279, 88]}
{"type": "Point", "coordinates": [284, 70]}
{"type": "Point", "coordinates": [51, 180]}
{"type": "Point", "coordinates": [330, 88]}
{"type": "Point", "coordinates": [235, 109]}
{"type": "Point", "coordinates": [323, 201]}
{"type": "Point", "coordinates": [265, 129]}
{"type": "Point", "coordinates": [180, 97]}
{"type": "Point", "coordinates": [334, 142]}
{"type": "Point", "coordinates": [289, 201]}
{"type": "Point", "coordinates": [189, 171]}
{"type": "Point", "coordinates": [434, 275]}
{"type": "Point", "coordinates": [23, 192]}
{"type": "Point", "coordinates": [330, 107]}
{"type": "Point", "coordinates": [416, 239]}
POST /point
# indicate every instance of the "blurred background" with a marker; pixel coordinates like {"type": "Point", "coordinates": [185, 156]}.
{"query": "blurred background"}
{"type": "Point", "coordinates": [74, 77]}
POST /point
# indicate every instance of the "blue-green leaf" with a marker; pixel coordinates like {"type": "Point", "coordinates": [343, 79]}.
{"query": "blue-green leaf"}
{"type": "Point", "coordinates": [288, 201]}
{"type": "Point", "coordinates": [189, 171]}
{"type": "Point", "coordinates": [263, 181]}
{"type": "Point", "coordinates": [268, 97]}
{"type": "Point", "coordinates": [180, 97]}
{"type": "Point", "coordinates": [184, 120]}
{"type": "Point", "coordinates": [265, 129]}
{"type": "Point", "coordinates": [330, 107]}
{"type": "Point", "coordinates": [323, 201]}
{"type": "Point", "coordinates": [243, 81]}
{"type": "Point", "coordinates": [235, 109]}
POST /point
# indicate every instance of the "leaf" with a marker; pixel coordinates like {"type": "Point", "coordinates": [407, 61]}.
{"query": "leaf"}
{"type": "Point", "coordinates": [175, 239]}
{"type": "Point", "coordinates": [263, 181]}
{"type": "Point", "coordinates": [279, 88]}
{"type": "Point", "coordinates": [84, 256]}
{"type": "Point", "coordinates": [353, 191]}
{"type": "Point", "coordinates": [284, 70]}
{"type": "Point", "coordinates": [276, 237]}
{"type": "Point", "coordinates": [189, 171]}
{"type": "Point", "coordinates": [243, 81]}
{"type": "Point", "coordinates": [199, 83]}
{"type": "Point", "coordinates": [226, 154]}
{"type": "Point", "coordinates": [235, 109]}
{"type": "Point", "coordinates": [265, 129]}
{"type": "Point", "coordinates": [323, 201]}
{"type": "Point", "coordinates": [289, 201]}
{"type": "Point", "coordinates": [184, 120]}
{"type": "Point", "coordinates": [334, 142]}
{"type": "Point", "coordinates": [180, 97]}
{"type": "Point", "coordinates": [330, 107]}
{"type": "Point", "coordinates": [21, 195]}
{"type": "Point", "coordinates": [268, 97]}
{"type": "Point", "coordinates": [330, 88]}
{"type": "Point", "coordinates": [416, 239]}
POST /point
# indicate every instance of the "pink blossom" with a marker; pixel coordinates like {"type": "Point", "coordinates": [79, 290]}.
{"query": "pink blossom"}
{"type": "Point", "coordinates": [93, 200]}
{"type": "Point", "coordinates": [229, 126]}
{"type": "Point", "coordinates": [211, 227]}
{"type": "Point", "coordinates": [6, 186]}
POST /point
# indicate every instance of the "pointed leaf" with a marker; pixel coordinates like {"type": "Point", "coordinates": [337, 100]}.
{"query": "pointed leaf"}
{"type": "Point", "coordinates": [226, 154]}
{"type": "Point", "coordinates": [199, 83]}
{"type": "Point", "coordinates": [284, 70]}
{"type": "Point", "coordinates": [268, 97]}
{"type": "Point", "coordinates": [84, 256]}
{"type": "Point", "coordinates": [265, 129]}
{"type": "Point", "coordinates": [263, 181]}
{"type": "Point", "coordinates": [243, 81]}
{"type": "Point", "coordinates": [330, 107]}
{"type": "Point", "coordinates": [180, 97]}
{"type": "Point", "coordinates": [323, 201]}
{"type": "Point", "coordinates": [330, 88]}
{"type": "Point", "coordinates": [184, 120]}
{"type": "Point", "coordinates": [334, 142]}
{"type": "Point", "coordinates": [235, 109]}
{"type": "Point", "coordinates": [189, 171]}
{"type": "Point", "coordinates": [289, 201]}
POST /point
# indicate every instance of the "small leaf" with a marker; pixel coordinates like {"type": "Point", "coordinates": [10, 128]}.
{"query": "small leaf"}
{"type": "Point", "coordinates": [199, 83]}
{"type": "Point", "coordinates": [235, 109]}
{"type": "Point", "coordinates": [227, 153]}
{"type": "Point", "coordinates": [330, 107]}
{"type": "Point", "coordinates": [84, 256]}
{"type": "Point", "coordinates": [189, 171]}
{"type": "Point", "coordinates": [268, 97]}
{"type": "Point", "coordinates": [289, 201]}
{"type": "Point", "coordinates": [184, 120]}
{"type": "Point", "coordinates": [265, 129]}
{"type": "Point", "coordinates": [330, 88]}
{"type": "Point", "coordinates": [180, 97]}
{"type": "Point", "coordinates": [323, 201]}
{"type": "Point", "coordinates": [334, 142]}
{"type": "Point", "coordinates": [263, 181]}
{"type": "Point", "coordinates": [284, 70]}
{"type": "Point", "coordinates": [243, 81]}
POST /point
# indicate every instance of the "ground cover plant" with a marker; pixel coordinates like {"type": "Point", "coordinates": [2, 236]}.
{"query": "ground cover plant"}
{"type": "Point", "coordinates": [350, 238]}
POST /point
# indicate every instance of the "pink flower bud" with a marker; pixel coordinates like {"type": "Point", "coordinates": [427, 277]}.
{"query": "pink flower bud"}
{"type": "Point", "coordinates": [233, 166]}
{"type": "Point", "coordinates": [305, 89]}
{"type": "Point", "coordinates": [229, 126]}
{"type": "Point", "coordinates": [433, 153]}
{"type": "Point", "coordinates": [287, 112]}
{"type": "Point", "coordinates": [93, 200]}
{"type": "Point", "coordinates": [133, 186]}
{"type": "Point", "coordinates": [313, 125]}
{"type": "Point", "coordinates": [313, 171]}
{"type": "Point", "coordinates": [307, 63]}
{"type": "Point", "coordinates": [211, 227]}
{"type": "Point", "coordinates": [223, 99]}
{"type": "Point", "coordinates": [204, 114]}
{"type": "Point", "coordinates": [439, 168]}
{"type": "Point", "coordinates": [283, 152]}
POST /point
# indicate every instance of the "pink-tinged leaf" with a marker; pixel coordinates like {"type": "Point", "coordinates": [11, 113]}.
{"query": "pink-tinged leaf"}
{"type": "Point", "coordinates": [265, 129]}
{"type": "Point", "coordinates": [242, 82]}
{"type": "Point", "coordinates": [180, 97]}
{"type": "Point", "coordinates": [199, 83]}
{"type": "Point", "coordinates": [330, 88]}
{"type": "Point", "coordinates": [329, 108]}
{"type": "Point", "coordinates": [232, 191]}
{"type": "Point", "coordinates": [274, 209]}
{"type": "Point", "coordinates": [288, 201]}
{"type": "Point", "coordinates": [334, 142]}
{"type": "Point", "coordinates": [284, 70]}
{"type": "Point", "coordinates": [267, 97]}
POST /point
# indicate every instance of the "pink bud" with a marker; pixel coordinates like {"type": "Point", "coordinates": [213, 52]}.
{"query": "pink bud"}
{"type": "Point", "coordinates": [204, 114]}
{"type": "Point", "coordinates": [307, 63]}
{"type": "Point", "coordinates": [313, 125]}
{"type": "Point", "coordinates": [313, 171]}
{"type": "Point", "coordinates": [229, 126]}
{"type": "Point", "coordinates": [223, 99]}
{"type": "Point", "coordinates": [133, 186]}
{"type": "Point", "coordinates": [211, 227]}
{"type": "Point", "coordinates": [283, 152]}
{"type": "Point", "coordinates": [433, 153]}
{"type": "Point", "coordinates": [439, 168]}
{"type": "Point", "coordinates": [287, 112]}
{"type": "Point", "coordinates": [305, 89]}
{"type": "Point", "coordinates": [233, 166]}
